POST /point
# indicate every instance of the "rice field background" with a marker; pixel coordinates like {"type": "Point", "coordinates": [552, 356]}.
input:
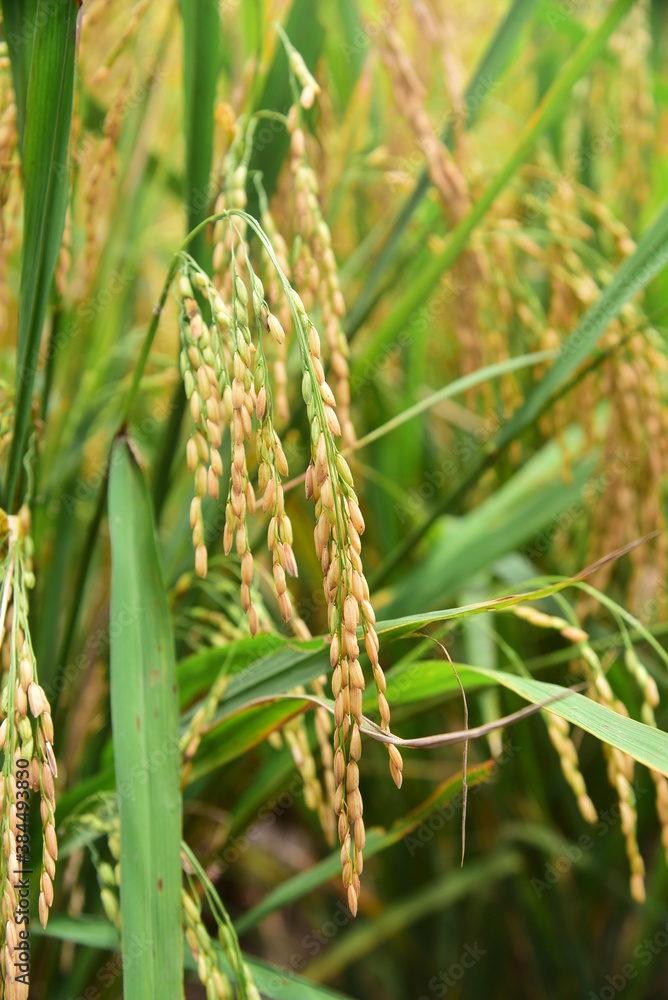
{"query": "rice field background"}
{"type": "Point", "coordinates": [333, 456]}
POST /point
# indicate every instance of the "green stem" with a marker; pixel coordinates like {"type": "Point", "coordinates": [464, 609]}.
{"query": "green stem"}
{"type": "Point", "coordinates": [93, 527]}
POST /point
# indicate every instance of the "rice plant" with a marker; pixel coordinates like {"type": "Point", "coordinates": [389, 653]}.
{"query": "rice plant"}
{"type": "Point", "coordinates": [383, 281]}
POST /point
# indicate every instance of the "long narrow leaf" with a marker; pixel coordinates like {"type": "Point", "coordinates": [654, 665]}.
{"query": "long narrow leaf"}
{"type": "Point", "coordinates": [201, 54]}
{"type": "Point", "coordinates": [647, 745]}
{"type": "Point", "coordinates": [144, 713]}
{"type": "Point", "coordinates": [18, 18]}
{"type": "Point", "coordinates": [46, 175]}
{"type": "Point", "coordinates": [201, 58]}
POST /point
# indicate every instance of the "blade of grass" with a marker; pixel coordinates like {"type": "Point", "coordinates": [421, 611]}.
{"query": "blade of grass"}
{"type": "Point", "coordinates": [144, 711]}
{"type": "Point", "coordinates": [46, 183]}
{"type": "Point", "coordinates": [201, 60]}
{"type": "Point", "coordinates": [647, 745]}
{"type": "Point", "coordinates": [460, 385]}
{"type": "Point", "coordinates": [96, 520]}
{"type": "Point", "coordinates": [305, 31]}
{"type": "Point", "coordinates": [455, 388]}
{"type": "Point", "coordinates": [543, 587]}
{"type": "Point", "coordinates": [18, 18]}
{"type": "Point", "coordinates": [201, 56]}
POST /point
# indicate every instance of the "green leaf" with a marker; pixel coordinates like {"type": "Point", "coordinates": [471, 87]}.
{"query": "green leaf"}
{"type": "Point", "coordinates": [647, 745]}
{"type": "Point", "coordinates": [303, 28]}
{"type": "Point", "coordinates": [345, 37]}
{"type": "Point", "coordinates": [46, 184]}
{"type": "Point", "coordinates": [18, 18]}
{"type": "Point", "coordinates": [426, 680]}
{"type": "Point", "coordinates": [144, 713]}
{"type": "Point", "coordinates": [201, 61]}
{"type": "Point", "coordinates": [201, 57]}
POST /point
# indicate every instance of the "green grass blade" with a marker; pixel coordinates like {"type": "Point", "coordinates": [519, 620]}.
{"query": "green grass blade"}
{"type": "Point", "coordinates": [18, 18]}
{"type": "Point", "coordinates": [647, 745]}
{"type": "Point", "coordinates": [424, 282]}
{"type": "Point", "coordinates": [144, 713]}
{"type": "Point", "coordinates": [303, 28]}
{"type": "Point", "coordinates": [201, 57]}
{"type": "Point", "coordinates": [201, 61]}
{"type": "Point", "coordinates": [490, 68]}
{"type": "Point", "coordinates": [460, 385]}
{"type": "Point", "coordinates": [46, 184]}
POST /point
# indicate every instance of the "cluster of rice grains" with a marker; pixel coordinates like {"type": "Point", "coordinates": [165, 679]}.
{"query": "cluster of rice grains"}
{"type": "Point", "coordinates": [621, 766]}
{"type": "Point", "coordinates": [226, 379]}
{"type": "Point", "coordinates": [26, 737]}
{"type": "Point", "coordinates": [225, 364]}
{"type": "Point", "coordinates": [337, 541]}
{"type": "Point", "coordinates": [209, 967]}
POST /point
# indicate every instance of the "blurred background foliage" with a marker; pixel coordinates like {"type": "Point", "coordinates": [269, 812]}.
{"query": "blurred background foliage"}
{"type": "Point", "coordinates": [542, 906]}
